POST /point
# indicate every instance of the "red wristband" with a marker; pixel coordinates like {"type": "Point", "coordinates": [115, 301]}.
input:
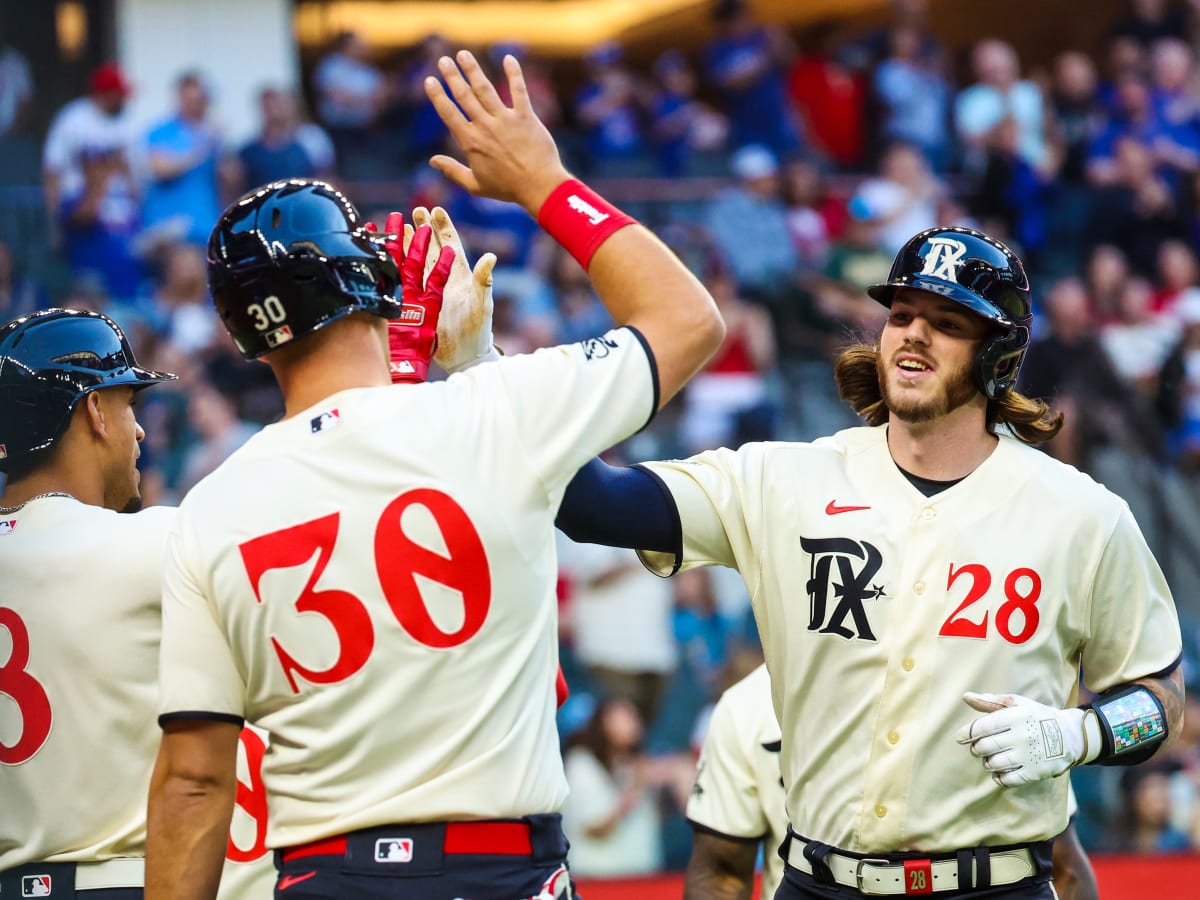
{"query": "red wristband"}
{"type": "Point", "coordinates": [580, 219]}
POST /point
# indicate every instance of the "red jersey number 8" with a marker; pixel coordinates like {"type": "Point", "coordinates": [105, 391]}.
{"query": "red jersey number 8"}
{"type": "Point", "coordinates": [398, 560]}
{"type": "Point", "coordinates": [26, 691]}
{"type": "Point", "coordinates": [252, 800]}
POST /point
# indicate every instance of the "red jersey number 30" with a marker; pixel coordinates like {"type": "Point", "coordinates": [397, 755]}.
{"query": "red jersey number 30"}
{"type": "Point", "coordinates": [398, 562]}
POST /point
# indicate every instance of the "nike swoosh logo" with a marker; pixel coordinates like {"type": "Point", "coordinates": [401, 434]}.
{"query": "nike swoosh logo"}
{"type": "Point", "coordinates": [288, 880]}
{"type": "Point", "coordinates": [833, 509]}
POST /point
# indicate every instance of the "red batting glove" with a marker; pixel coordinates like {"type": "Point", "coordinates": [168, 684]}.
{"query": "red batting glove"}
{"type": "Point", "coordinates": [412, 338]}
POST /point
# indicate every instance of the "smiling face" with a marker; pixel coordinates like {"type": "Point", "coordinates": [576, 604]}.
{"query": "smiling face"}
{"type": "Point", "coordinates": [926, 355]}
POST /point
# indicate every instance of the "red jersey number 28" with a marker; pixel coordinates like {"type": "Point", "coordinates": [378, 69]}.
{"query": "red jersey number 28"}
{"type": "Point", "coordinates": [398, 562]}
{"type": "Point", "coordinates": [26, 690]}
{"type": "Point", "coordinates": [1022, 588]}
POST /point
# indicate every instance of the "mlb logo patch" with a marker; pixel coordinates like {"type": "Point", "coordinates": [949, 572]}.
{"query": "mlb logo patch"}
{"type": "Point", "coordinates": [279, 336]}
{"type": "Point", "coordinates": [35, 886]}
{"type": "Point", "coordinates": [411, 314]}
{"type": "Point", "coordinates": [3, 452]}
{"type": "Point", "coordinates": [401, 367]}
{"type": "Point", "coordinates": [7, 526]}
{"type": "Point", "coordinates": [394, 850]}
{"type": "Point", "coordinates": [331, 418]}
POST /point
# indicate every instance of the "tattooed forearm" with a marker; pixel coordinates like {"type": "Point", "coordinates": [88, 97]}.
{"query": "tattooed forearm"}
{"type": "Point", "coordinates": [1169, 691]}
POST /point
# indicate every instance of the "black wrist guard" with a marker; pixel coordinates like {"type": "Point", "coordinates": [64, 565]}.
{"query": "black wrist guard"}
{"type": "Point", "coordinates": [1133, 724]}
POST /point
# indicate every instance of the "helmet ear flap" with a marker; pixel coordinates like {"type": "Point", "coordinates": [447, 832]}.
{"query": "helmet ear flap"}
{"type": "Point", "coordinates": [999, 361]}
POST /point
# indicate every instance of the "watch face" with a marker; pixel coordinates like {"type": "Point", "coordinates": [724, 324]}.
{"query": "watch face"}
{"type": "Point", "coordinates": [1134, 718]}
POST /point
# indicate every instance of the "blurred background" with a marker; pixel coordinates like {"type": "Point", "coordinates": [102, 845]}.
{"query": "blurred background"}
{"type": "Point", "coordinates": [785, 150]}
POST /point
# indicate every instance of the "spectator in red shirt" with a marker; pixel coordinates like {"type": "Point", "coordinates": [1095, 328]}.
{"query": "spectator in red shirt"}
{"type": "Point", "coordinates": [830, 98]}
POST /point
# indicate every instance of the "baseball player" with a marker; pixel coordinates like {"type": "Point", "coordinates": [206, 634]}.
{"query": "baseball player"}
{"type": "Point", "coordinates": [80, 620]}
{"type": "Point", "coordinates": [928, 590]}
{"type": "Point", "coordinates": [737, 805]}
{"type": "Point", "coordinates": [79, 610]}
{"type": "Point", "coordinates": [371, 580]}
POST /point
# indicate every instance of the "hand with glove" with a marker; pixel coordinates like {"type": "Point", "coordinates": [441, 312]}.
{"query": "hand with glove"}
{"type": "Point", "coordinates": [413, 337]}
{"type": "Point", "coordinates": [465, 325]}
{"type": "Point", "coordinates": [1022, 741]}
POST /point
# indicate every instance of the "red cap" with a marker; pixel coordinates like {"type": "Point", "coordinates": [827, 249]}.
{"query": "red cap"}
{"type": "Point", "coordinates": [106, 78]}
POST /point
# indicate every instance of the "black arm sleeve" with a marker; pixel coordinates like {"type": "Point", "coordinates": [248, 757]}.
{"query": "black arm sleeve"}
{"type": "Point", "coordinates": [621, 506]}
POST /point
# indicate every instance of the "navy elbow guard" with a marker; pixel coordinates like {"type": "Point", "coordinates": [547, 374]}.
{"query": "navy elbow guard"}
{"type": "Point", "coordinates": [1131, 722]}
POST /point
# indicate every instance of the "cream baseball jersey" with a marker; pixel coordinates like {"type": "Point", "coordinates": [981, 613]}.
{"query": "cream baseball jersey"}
{"type": "Point", "coordinates": [739, 790]}
{"type": "Point", "coordinates": [79, 633]}
{"type": "Point", "coordinates": [878, 606]}
{"type": "Point", "coordinates": [249, 871]}
{"type": "Point", "coordinates": [371, 582]}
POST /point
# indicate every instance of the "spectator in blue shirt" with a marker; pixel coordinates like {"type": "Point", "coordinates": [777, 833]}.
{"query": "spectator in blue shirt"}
{"type": "Point", "coordinates": [100, 224]}
{"type": "Point", "coordinates": [1176, 149]}
{"type": "Point", "coordinates": [280, 150]}
{"type": "Point", "coordinates": [183, 154]}
{"type": "Point", "coordinates": [680, 123]}
{"type": "Point", "coordinates": [752, 217]}
{"type": "Point", "coordinates": [1172, 70]}
{"type": "Point", "coordinates": [609, 109]}
{"type": "Point", "coordinates": [914, 98]}
{"type": "Point", "coordinates": [748, 63]}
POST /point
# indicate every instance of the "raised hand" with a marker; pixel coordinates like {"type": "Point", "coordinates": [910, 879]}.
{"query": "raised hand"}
{"type": "Point", "coordinates": [510, 154]}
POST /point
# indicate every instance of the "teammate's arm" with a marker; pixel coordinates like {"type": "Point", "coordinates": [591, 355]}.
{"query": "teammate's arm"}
{"type": "Point", "coordinates": [1073, 875]}
{"type": "Point", "coordinates": [720, 868]}
{"type": "Point", "coordinates": [620, 506]}
{"type": "Point", "coordinates": [192, 791]}
{"type": "Point", "coordinates": [511, 156]}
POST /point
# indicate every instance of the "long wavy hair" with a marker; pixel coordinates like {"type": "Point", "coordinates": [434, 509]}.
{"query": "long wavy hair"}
{"type": "Point", "coordinates": [857, 374]}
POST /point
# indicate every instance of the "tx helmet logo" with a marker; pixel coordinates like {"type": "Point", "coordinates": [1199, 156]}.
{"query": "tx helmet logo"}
{"type": "Point", "coordinates": [943, 258]}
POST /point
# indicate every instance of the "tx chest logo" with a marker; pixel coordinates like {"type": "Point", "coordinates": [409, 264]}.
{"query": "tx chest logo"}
{"type": "Point", "coordinates": [840, 577]}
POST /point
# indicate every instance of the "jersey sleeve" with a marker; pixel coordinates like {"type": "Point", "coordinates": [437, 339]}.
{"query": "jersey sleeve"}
{"type": "Point", "coordinates": [1133, 628]}
{"type": "Point", "coordinates": [707, 492]}
{"type": "Point", "coordinates": [725, 798]}
{"type": "Point", "coordinates": [198, 678]}
{"type": "Point", "coordinates": [572, 401]}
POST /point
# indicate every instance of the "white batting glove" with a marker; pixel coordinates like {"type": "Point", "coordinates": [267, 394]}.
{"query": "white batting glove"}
{"type": "Point", "coordinates": [1022, 741]}
{"type": "Point", "coordinates": [465, 325]}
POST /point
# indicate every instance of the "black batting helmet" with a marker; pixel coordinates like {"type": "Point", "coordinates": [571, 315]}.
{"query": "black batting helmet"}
{"type": "Point", "coordinates": [293, 256]}
{"type": "Point", "coordinates": [984, 276]}
{"type": "Point", "coordinates": [48, 360]}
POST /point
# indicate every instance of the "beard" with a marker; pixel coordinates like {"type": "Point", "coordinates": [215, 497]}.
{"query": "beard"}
{"type": "Point", "coordinates": [133, 504]}
{"type": "Point", "coordinates": [956, 389]}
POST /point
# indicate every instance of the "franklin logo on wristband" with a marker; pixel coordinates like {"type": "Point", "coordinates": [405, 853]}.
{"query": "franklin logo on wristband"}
{"type": "Point", "coordinates": [580, 205]}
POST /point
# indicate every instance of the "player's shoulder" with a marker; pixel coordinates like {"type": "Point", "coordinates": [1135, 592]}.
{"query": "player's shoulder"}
{"type": "Point", "coordinates": [832, 449]}
{"type": "Point", "coordinates": [746, 707]}
{"type": "Point", "coordinates": [151, 523]}
{"type": "Point", "coordinates": [1059, 482]}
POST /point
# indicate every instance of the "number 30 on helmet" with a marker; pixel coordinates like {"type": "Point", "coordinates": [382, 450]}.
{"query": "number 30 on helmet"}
{"type": "Point", "coordinates": [983, 275]}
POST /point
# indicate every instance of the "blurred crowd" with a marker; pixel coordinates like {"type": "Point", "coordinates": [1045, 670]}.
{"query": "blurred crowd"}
{"type": "Point", "coordinates": [786, 169]}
